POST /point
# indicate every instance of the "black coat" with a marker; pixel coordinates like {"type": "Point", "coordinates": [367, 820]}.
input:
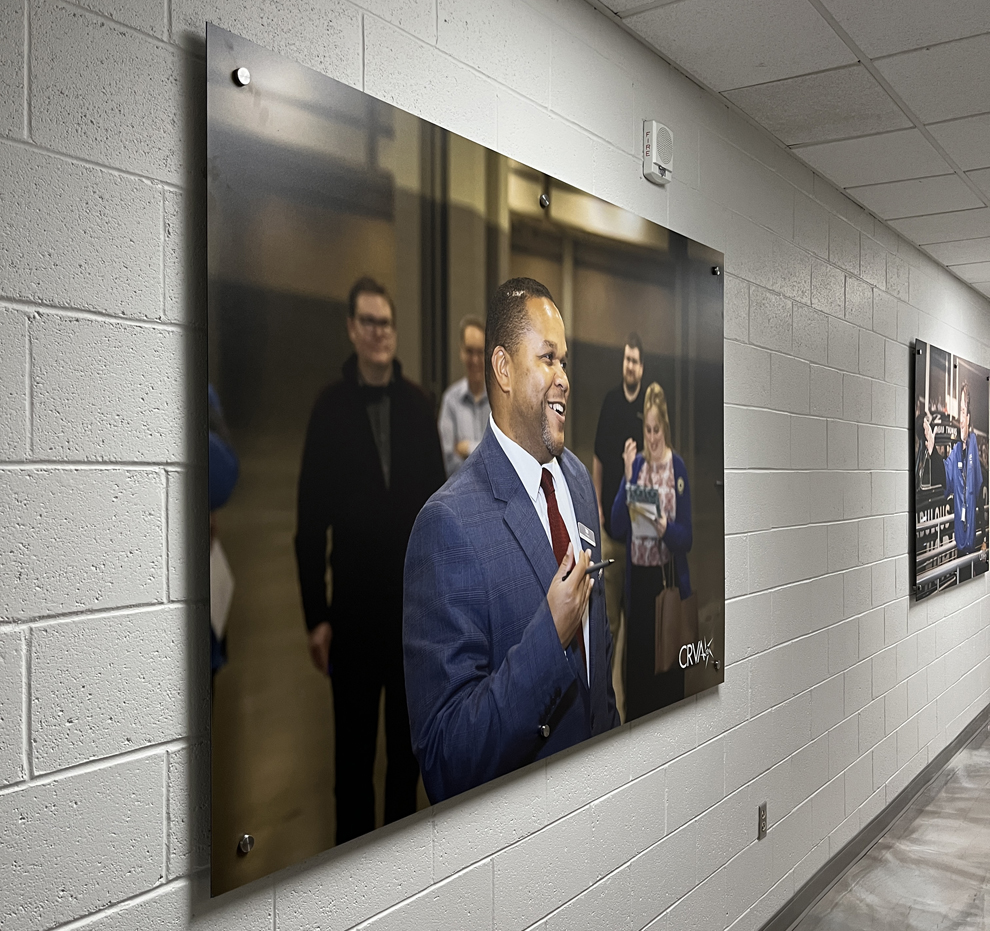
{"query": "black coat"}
{"type": "Point", "coordinates": [341, 486]}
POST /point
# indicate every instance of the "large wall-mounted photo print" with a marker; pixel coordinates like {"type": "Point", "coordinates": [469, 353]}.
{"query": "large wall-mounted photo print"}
{"type": "Point", "coordinates": [951, 424]}
{"type": "Point", "coordinates": [466, 462]}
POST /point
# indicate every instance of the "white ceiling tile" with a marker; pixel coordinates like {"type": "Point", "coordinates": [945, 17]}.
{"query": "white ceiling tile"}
{"type": "Point", "coordinates": [977, 271]}
{"type": "Point", "coordinates": [966, 140]}
{"type": "Point", "coordinates": [623, 7]}
{"type": "Point", "coordinates": [913, 198]}
{"type": "Point", "coordinates": [961, 252]}
{"type": "Point", "coordinates": [945, 227]}
{"type": "Point", "coordinates": [945, 81]}
{"type": "Point", "coordinates": [820, 107]}
{"type": "Point", "coordinates": [981, 178]}
{"type": "Point", "coordinates": [873, 159]}
{"type": "Point", "coordinates": [742, 43]}
{"type": "Point", "coordinates": [882, 27]}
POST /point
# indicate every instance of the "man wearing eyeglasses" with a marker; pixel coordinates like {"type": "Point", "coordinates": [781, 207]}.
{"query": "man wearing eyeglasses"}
{"type": "Point", "coordinates": [371, 460]}
{"type": "Point", "coordinates": [464, 410]}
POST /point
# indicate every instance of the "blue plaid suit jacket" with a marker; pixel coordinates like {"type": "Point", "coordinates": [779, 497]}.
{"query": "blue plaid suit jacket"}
{"type": "Point", "coordinates": [485, 672]}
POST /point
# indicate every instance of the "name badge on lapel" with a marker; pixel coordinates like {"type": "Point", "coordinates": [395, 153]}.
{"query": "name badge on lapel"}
{"type": "Point", "coordinates": [586, 534]}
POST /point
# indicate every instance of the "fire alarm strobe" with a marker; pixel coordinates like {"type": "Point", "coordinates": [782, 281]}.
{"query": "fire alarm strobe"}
{"type": "Point", "coordinates": [658, 152]}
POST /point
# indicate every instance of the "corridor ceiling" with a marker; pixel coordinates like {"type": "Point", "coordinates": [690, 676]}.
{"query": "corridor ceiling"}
{"type": "Point", "coordinates": [888, 99]}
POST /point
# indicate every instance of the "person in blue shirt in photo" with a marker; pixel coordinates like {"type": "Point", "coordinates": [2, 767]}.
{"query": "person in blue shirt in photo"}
{"type": "Point", "coordinates": [961, 475]}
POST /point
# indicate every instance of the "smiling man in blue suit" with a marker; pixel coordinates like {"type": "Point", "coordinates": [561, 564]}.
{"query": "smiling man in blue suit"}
{"type": "Point", "coordinates": [506, 644]}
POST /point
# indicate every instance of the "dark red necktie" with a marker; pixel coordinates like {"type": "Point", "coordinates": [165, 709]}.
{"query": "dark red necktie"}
{"type": "Point", "coordinates": [560, 538]}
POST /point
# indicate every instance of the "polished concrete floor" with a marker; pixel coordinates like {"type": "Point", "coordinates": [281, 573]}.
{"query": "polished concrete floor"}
{"type": "Point", "coordinates": [931, 870]}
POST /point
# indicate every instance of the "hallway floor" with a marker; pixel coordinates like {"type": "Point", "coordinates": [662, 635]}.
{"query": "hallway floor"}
{"type": "Point", "coordinates": [931, 870]}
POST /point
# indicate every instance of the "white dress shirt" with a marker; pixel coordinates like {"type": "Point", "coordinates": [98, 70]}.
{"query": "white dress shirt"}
{"type": "Point", "coordinates": [530, 473]}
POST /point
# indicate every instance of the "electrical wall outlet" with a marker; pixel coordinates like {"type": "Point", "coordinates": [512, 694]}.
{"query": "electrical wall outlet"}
{"type": "Point", "coordinates": [761, 828]}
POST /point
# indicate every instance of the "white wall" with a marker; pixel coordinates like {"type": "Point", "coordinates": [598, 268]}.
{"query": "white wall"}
{"type": "Point", "coordinates": [837, 689]}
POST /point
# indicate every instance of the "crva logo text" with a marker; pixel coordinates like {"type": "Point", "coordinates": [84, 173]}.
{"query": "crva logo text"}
{"type": "Point", "coordinates": [693, 653]}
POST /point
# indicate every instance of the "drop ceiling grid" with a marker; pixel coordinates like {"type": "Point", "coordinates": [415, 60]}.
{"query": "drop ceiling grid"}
{"type": "Point", "coordinates": [919, 159]}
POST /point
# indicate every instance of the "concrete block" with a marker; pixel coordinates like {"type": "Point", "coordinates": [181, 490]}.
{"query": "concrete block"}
{"type": "Point", "coordinates": [809, 768]}
{"type": "Point", "coordinates": [907, 322]}
{"type": "Point", "coordinates": [858, 783]}
{"type": "Point", "coordinates": [897, 277]}
{"type": "Point", "coordinates": [884, 589]}
{"type": "Point", "coordinates": [871, 727]}
{"type": "Point", "coordinates": [148, 16]}
{"type": "Point", "coordinates": [736, 302]}
{"type": "Point", "coordinates": [857, 688]}
{"type": "Point", "coordinates": [138, 373]}
{"type": "Point", "coordinates": [755, 438]}
{"type": "Point", "coordinates": [907, 658]}
{"type": "Point", "coordinates": [843, 345]}
{"type": "Point", "coordinates": [884, 671]}
{"type": "Point", "coordinates": [592, 91]}
{"type": "Point", "coordinates": [658, 738]}
{"type": "Point", "coordinates": [628, 821]}
{"type": "Point", "coordinates": [843, 546]}
{"type": "Point", "coordinates": [747, 375]}
{"type": "Point", "coordinates": [334, 49]}
{"type": "Point", "coordinates": [420, 17]}
{"type": "Point", "coordinates": [873, 261]}
{"type": "Point", "coordinates": [748, 246]}
{"type": "Point", "coordinates": [123, 687]}
{"type": "Point", "coordinates": [884, 409]}
{"type": "Point", "coordinates": [809, 447]}
{"type": "Point", "coordinates": [896, 451]}
{"type": "Point", "coordinates": [507, 812]}
{"type": "Point", "coordinates": [12, 69]}
{"type": "Point", "coordinates": [662, 875]}
{"type": "Point", "coordinates": [859, 302]}
{"type": "Point", "coordinates": [747, 627]}
{"type": "Point", "coordinates": [736, 566]}
{"type": "Point", "coordinates": [885, 314]}
{"type": "Point", "coordinates": [810, 225]}
{"type": "Point", "coordinates": [895, 534]}
{"type": "Point", "coordinates": [790, 266]}
{"type": "Point", "coordinates": [13, 761]}
{"type": "Point", "coordinates": [463, 900]}
{"type": "Point", "coordinates": [809, 333]}
{"type": "Point", "coordinates": [870, 540]}
{"type": "Point", "coordinates": [71, 235]}
{"type": "Point", "coordinates": [828, 503]}
{"type": "Point", "coordinates": [872, 357]}
{"type": "Point", "coordinates": [895, 621]}
{"type": "Point", "coordinates": [95, 836]}
{"type": "Point", "coordinates": [787, 670]}
{"type": "Point", "coordinates": [871, 633]}
{"type": "Point", "coordinates": [872, 452]}
{"type": "Point", "coordinates": [188, 535]}
{"type": "Point", "coordinates": [895, 710]}
{"type": "Point", "coordinates": [857, 398]}
{"type": "Point", "coordinates": [857, 591]}
{"type": "Point", "coordinates": [79, 539]}
{"type": "Point", "coordinates": [843, 450]}
{"type": "Point", "coordinates": [843, 746]}
{"type": "Point", "coordinates": [788, 555]}
{"type": "Point", "coordinates": [606, 901]}
{"type": "Point", "coordinates": [826, 392]}
{"type": "Point", "coordinates": [13, 384]}
{"type": "Point", "coordinates": [185, 259]}
{"type": "Point", "coordinates": [532, 135]}
{"type": "Point", "coordinates": [827, 288]}
{"type": "Point", "coordinates": [338, 895]}
{"type": "Point", "coordinates": [791, 838]}
{"type": "Point", "coordinates": [724, 831]}
{"type": "Point", "coordinates": [789, 384]}
{"type": "Point", "coordinates": [128, 114]}
{"type": "Point", "coordinates": [508, 42]}
{"type": "Point", "coordinates": [407, 73]}
{"type": "Point", "coordinates": [769, 319]}
{"type": "Point", "coordinates": [843, 646]}
{"type": "Point", "coordinates": [528, 883]}
{"type": "Point", "coordinates": [883, 485]}
{"type": "Point", "coordinates": [898, 360]}
{"type": "Point", "coordinates": [188, 775]}
{"type": "Point", "coordinates": [806, 607]}
{"type": "Point", "coordinates": [857, 495]}
{"type": "Point", "coordinates": [719, 710]}
{"type": "Point", "coordinates": [843, 245]}
{"type": "Point", "coordinates": [575, 777]}
{"type": "Point", "coordinates": [826, 706]}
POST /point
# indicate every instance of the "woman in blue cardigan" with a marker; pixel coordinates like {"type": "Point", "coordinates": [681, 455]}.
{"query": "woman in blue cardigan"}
{"type": "Point", "coordinates": [652, 557]}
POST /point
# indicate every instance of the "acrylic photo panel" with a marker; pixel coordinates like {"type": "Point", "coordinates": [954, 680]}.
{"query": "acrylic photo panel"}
{"type": "Point", "coordinates": [319, 470]}
{"type": "Point", "coordinates": [949, 469]}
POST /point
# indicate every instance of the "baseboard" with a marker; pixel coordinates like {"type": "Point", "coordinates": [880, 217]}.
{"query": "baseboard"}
{"type": "Point", "coordinates": [831, 872]}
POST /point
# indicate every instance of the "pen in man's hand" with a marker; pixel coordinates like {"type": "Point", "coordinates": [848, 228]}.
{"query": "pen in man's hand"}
{"type": "Point", "coordinates": [604, 564]}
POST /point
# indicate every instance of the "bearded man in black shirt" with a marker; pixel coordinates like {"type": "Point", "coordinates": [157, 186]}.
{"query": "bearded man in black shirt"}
{"type": "Point", "coordinates": [371, 460]}
{"type": "Point", "coordinates": [621, 419]}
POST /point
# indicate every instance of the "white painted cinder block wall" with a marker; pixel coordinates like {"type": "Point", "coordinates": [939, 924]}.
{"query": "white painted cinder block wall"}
{"type": "Point", "coordinates": [837, 690]}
